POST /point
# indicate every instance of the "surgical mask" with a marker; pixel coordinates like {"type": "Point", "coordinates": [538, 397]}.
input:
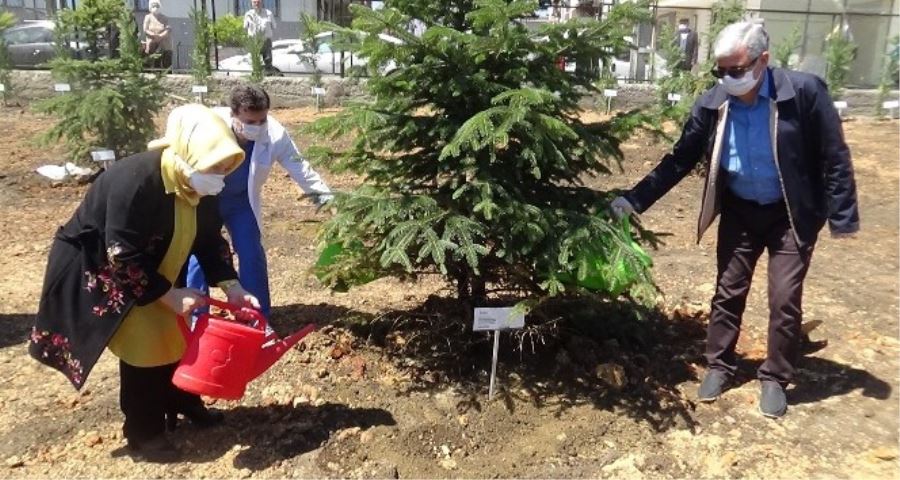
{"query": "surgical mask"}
{"type": "Point", "coordinates": [252, 132]}
{"type": "Point", "coordinates": [739, 86]}
{"type": "Point", "coordinates": [207, 184]}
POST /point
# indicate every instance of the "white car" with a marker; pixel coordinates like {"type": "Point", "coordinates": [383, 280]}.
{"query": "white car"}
{"type": "Point", "coordinates": [293, 56]}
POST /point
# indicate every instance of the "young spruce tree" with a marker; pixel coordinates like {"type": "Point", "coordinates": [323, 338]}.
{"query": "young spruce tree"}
{"type": "Point", "coordinates": [111, 104]}
{"type": "Point", "coordinates": [473, 152]}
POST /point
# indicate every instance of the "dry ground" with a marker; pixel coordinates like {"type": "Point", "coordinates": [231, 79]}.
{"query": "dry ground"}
{"type": "Point", "coordinates": [375, 394]}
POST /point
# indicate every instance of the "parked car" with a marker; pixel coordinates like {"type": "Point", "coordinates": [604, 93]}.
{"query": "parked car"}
{"type": "Point", "coordinates": [33, 43]}
{"type": "Point", "coordinates": [30, 44]}
{"type": "Point", "coordinates": [294, 56]}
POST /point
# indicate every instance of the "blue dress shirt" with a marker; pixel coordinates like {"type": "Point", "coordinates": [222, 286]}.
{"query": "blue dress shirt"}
{"type": "Point", "coordinates": [748, 156]}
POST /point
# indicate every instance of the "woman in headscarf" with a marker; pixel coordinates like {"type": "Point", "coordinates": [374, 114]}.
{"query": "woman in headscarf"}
{"type": "Point", "coordinates": [115, 268]}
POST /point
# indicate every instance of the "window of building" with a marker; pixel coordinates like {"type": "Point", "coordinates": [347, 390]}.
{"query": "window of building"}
{"type": "Point", "coordinates": [241, 7]}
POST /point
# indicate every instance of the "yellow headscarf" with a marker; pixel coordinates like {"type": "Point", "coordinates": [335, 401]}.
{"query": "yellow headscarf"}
{"type": "Point", "coordinates": [196, 139]}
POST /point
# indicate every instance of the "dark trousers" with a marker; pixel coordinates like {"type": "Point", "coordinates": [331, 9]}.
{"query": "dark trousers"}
{"type": "Point", "coordinates": [147, 396]}
{"type": "Point", "coordinates": [745, 230]}
{"type": "Point", "coordinates": [267, 53]}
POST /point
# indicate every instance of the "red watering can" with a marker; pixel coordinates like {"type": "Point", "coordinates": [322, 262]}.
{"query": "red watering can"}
{"type": "Point", "coordinates": [222, 356]}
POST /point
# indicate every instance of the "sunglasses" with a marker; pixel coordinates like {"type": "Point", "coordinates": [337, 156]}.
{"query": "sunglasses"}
{"type": "Point", "coordinates": [733, 72]}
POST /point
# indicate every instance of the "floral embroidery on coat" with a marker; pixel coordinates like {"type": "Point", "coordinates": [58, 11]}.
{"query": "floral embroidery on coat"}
{"type": "Point", "coordinates": [55, 349]}
{"type": "Point", "coordinates": [113, 279]}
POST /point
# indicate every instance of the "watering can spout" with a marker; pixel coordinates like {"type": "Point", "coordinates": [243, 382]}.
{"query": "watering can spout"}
{"type": "Point", "coordinates": [272, 352]}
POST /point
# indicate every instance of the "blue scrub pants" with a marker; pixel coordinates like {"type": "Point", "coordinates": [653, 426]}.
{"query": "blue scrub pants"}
{"type": "Point", "coordinates": [247, 243]}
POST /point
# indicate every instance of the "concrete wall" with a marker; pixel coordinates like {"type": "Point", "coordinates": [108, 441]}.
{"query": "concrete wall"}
{"type": "Point", "coordinates": [30, 85]}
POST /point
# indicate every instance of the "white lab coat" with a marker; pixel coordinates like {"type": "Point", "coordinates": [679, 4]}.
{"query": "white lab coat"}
{"type": "Point", "coordinates": [277, 147]}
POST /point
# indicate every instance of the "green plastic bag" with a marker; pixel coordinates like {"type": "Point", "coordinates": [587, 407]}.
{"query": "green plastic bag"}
{"type": "Point", "coordinates": [329, 256]}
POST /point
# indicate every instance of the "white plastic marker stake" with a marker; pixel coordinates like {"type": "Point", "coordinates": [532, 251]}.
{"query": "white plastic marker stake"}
{"type": "Point", "coordinates": [2, 88]}
{"type": "Point", "coordinates": [318, 92]}
{"type": "Point", "coordinates": [103, 156]}
{"type": "Point", "coordinates": [62, 87]}
{"type": "Point", "coordinates": [840, 105]}
{"type": "Point", "coordinates": [609, 94]}
{"type": "Point", "coordinates": [199, 90]}
{"type": "Point", "coordinates": [674, 98]}
{"type": "Point", "coordinates": [497, 319]}
{"type": "Point", "coordinates": [891, 105]}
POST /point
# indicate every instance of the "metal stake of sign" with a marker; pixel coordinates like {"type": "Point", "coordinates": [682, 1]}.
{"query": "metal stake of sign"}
{"type": "Point", "coordinates": [609, 94]}
{"type": "Point", "coordinates": [318, 92]}
{"type": "Point", "coordinates": [496, 319]}
{"type": "Point", "coordinates": [494, 364]}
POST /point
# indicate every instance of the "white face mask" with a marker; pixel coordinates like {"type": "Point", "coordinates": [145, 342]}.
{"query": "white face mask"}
{"type": "Point", "coordinates": [206, 184]}
{"type": "Point", "coordinates": [739, 86]}
{"type": "Point", "coordinates": [253, 133]}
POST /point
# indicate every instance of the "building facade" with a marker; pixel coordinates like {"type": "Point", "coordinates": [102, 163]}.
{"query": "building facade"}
{"type": "Point", "coordinates": [870, 24]}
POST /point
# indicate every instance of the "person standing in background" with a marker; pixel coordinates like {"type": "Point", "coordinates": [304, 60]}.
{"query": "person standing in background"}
{"type": "Point", "coordinates": [688, 43]}
{"type": "Point", "coordinates": [265, 142]}
{"type": "Point", "coordinates": [259, 22]}
{"type": "Point", "coordinates": [158, 36]}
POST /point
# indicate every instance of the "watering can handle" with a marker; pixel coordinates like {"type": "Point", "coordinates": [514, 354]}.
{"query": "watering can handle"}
{"type": "Point", "coordinates": [260, 319]}
{"type": "Point", "coordinates": [245, 311]}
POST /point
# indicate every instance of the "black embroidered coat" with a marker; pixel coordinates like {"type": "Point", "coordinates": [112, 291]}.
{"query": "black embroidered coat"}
{"type": "Point", "coordinates": [105, 260]}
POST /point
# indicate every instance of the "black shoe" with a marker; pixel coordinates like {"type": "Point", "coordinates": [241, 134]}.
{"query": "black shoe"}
{"type": "Point", "coordinates": [772, 401]}
{"type": "Point", "coordinates": [204, 417]}
{"type": "Point", "coordinates": [156, 450]}
{"type": "Point", "coordinates": [714, 384]}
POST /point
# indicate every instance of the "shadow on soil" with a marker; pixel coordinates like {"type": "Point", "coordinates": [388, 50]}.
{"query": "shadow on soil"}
{"type": "Point", "coordinates": [612, 355]}
{"type": "Point", "coordinates": [266, 435]}
{"type": "Point", "coordinates": [15, 328]}
{"type": "Point", "coordinates": [818, 379]}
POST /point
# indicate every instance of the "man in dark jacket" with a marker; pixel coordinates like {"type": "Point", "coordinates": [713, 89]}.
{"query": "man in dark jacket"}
{"type": "Point", "coordinates": [779, 169]}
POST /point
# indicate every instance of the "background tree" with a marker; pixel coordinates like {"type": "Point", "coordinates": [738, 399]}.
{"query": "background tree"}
{"type": "Point", "coordinates": [890, 75]}
{"type": "Point", "coordinates": [229, 31]}
{"type": "Point", "coordinates": [691, 84]}
{"type": "Point", "coordinates": [840, 51]}
{"type": "Point", "coordinates": [783, 51]}
{"type": "Point", "coordinates": [200, 66]}
{"type": "Point", "coordinates": [473, 153]}
{"type": "Point", "coordinates": [309, 34]}
{"type": "Point", "coordinates": [112, 103]}
{"type": "Point", "coordinates": [7, 20]}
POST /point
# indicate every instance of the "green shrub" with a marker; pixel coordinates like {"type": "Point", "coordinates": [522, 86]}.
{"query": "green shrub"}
{"type": "Point", "coordinates": [112, 103]}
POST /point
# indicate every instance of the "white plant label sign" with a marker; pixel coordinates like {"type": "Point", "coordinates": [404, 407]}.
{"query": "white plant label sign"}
{"type": "Point", "coordinates": [505, 318]}
{"type": "Point", "coordinates": [103, 155]}
{"type": "Point", "coordinates": [62, 87]}
{"type": "Point", "coordinates": [199, 89]}
{"type": "Point", "coordinates": [610, 93]}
